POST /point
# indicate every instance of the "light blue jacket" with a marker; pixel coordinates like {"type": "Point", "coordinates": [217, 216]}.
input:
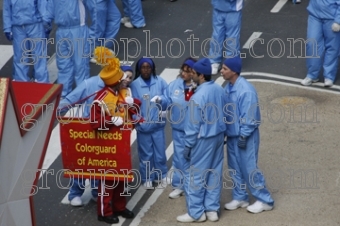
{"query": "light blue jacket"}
{"type": "Point", "coordinates": [65, 13]}
{"type": "Point", "coordinates": [204, 116]}
{"type": "Point", "coordinates": [87, 88]}
{"type": "Point", "coordinates": [150, 110]}
{"type": "Point", "coordinates": [242, 111]}
{"type": "Point", "coordinates": [227, 5]}
{"type": "Point", "coordinates": [325, 9]}
{"type": "Point", "coordinates": [21, 12]}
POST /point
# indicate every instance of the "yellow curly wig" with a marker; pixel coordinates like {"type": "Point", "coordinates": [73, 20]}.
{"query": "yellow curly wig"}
{"type": "Point", "coordinates": [111, 72]}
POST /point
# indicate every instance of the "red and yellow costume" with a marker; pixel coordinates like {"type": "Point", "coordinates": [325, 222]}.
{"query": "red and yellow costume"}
{"type": "Point", "coordinates": [107, 104]}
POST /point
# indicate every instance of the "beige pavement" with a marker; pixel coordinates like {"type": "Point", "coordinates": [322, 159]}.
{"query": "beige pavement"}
{"type": "Point", "coordinates": [288, 151]}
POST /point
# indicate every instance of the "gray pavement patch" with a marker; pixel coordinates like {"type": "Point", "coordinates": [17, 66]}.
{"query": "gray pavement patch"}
{"type": "Point", "coordinates": [288, 79]}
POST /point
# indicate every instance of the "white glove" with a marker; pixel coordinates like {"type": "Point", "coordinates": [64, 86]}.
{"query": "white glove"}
{"type": "Point", "coordinates": [117, 121]}
{"type": "Point", "coordinates": [162, 114]}
{"type": "Point", "coordinates": [336, 27]}
{"type": "Point", "coordinates": [129, 100]}
{"type": "Point", "coordinates": [156, 99]}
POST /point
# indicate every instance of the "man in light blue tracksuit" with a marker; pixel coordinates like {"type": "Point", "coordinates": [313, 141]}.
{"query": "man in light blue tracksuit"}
{"type": "Point", "coordinates": [226, 22]}
{"type": "Point", "coordinates": [149, 88]}
{"type": "Point", "coordinates": [204, 139]}
{"type": "Point", "coordinates": [324, 45]}
{"type": "Point", "coordinates": [133, 14]}
{"type": "Point", "coordinates": [72, 46]}
{"type": "Point", "coordinates": [242, 117]}
{"type": "Point", "coordinates": [177, 96]}
{"type": "Point", "coordinates": [83, 94]}
{"type": "Point", "coordinates": [23, 20]}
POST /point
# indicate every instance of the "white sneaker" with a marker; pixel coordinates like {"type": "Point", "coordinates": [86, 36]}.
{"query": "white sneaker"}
{"type": "Point", "coordinates": [258, 207]}
{"type": "Point", "coordinates": [235, 204]}
{"type": "Point", "coordinates": [308, 81]}
{"type": "Point", "coordinates": [76, 201]}
{"type": "Point", "coordinates": [176, 193]}
{"type": "Point", "coordinates": [124, 20]}
{"type": "Point", "coordinates": [93, 60]}
{"type": "Point", "coordinates": [214, 68]}
{"type": "Point", "coordinates": [185, 218]}
{"type": "Point", "coordinates": [328, 82]}
{"type": "Point", "coordinates": [128, 24]}
{"type": "Point", "coordinates": [148, 185]}
{"type": "Point", "coordinates": [212, 216]}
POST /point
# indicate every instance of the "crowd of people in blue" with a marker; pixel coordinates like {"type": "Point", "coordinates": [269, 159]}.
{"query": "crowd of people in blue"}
{"type": "Point", "coordinates": [199, 145]}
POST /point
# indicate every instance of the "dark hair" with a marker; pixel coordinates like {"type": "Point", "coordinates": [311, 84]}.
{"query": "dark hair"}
{"type": "Point", "coordinates": [137, 71]}
{"type": "Point", "coordinates": [183, 64]}
{"type": "Point", "coordinates": [206, 77]}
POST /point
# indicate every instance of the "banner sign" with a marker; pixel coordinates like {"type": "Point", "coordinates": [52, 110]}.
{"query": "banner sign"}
{"type": "Point", "coordinates": [91, 154]}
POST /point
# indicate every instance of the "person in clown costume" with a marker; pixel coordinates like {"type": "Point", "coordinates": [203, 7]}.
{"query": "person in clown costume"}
{"type": "Point", "coordinates": [85, 94]}
{"type": "Point", "coordinates": [109, 110]}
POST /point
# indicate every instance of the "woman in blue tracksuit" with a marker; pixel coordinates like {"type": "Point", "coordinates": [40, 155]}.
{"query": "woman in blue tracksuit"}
{"type": "Point", "coordinates": [324, 41]}
{"type": "Point", "coordinates": [176, 97]}
{"type": "Point", "coordinates": [149, 88]}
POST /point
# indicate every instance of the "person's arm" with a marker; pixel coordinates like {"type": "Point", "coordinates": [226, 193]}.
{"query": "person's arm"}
{"type": "Point", "coordinates": [7, 16]}
{"type": "Point", "coordinates": [48, 13]}
{"type": "Point", "coordinates": [336, 23]}
{"type": "Point", "coordinates": [164, 101]}
{"type": "Point", "coordinates": [100, 120]}
{"type": "Point", "coordinates": [78, 94]}
{"type": "Point", "coordinates": [337, 13]}
{"type": "Point", "coordinates": [249, 111]}
{"type": "Point", "coordinates": [193, 121]}
{"type": "Point", "coordinates": [167, 95]}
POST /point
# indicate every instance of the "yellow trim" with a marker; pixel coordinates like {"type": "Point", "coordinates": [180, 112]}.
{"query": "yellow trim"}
{"type": "Point", "coordinates": [42, 101]}
{"type": "Point", "coordinates": [64, 119]}
{"type": "Point", "coordinates": [97, 174]}
{"type": "Point", "coordinates": [49, 94]}
{"type": "Point", "coordinates": [3, 91]}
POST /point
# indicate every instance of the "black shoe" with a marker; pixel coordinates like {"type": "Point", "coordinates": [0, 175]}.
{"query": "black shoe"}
{"type": "Point", "coordinates": [109, 219]}
{"type": "Point", "coordinates": [126, 213]}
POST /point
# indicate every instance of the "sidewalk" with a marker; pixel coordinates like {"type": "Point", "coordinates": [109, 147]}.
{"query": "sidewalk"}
{"type": "Point", "coordinates": [300, 161]}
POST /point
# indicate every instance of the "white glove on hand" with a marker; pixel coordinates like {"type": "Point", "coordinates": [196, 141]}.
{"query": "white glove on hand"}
{"type": "Point", "coordinates": [335, 27]}
{"type": "Point", "coordinates": [129, 100]}
{"type": "Point", "coordinates": [156, 99]}
{"type": "Point", "coordinates": [117, 121]}
{"type": "Point", "coordinates": [162, 114]}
